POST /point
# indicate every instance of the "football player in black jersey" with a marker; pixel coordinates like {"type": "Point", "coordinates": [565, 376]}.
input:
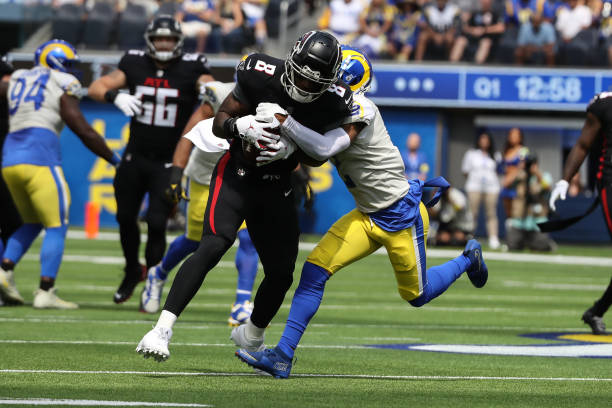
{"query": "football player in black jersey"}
{"type": "Point", "coordinates": [163, 87]}
{"type": "Point", "coordinates": [306, 85]}
{"type": "Point", "coordinates": [9, 216]}
{"type": "Point", "coordinates": [596, 131]}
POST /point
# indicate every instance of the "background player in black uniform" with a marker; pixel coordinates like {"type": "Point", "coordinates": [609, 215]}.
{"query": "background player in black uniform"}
{"type": "Point", "coordinates": [164, 87]}
{"type": "Point", "coordinates": [596, 131]}
{"type": "Point", "coordinates": [9, 216]}
{"type": "Point", "coordinates": [305, 84]}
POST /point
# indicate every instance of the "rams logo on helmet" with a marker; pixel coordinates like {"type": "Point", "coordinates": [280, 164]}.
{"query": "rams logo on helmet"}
{"type": "Point", "coordinates": [56, 54]}
{"type": "Point", "coordinates": [356, 70]}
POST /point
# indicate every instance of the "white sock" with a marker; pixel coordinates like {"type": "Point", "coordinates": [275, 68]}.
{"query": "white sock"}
{"type": "Point", "coordinates": [166, 320]}
{"type": "Point", "coordinates": [252, 331]}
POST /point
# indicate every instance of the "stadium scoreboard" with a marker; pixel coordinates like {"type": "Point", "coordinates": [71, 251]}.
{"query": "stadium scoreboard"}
{"type": "Point", "coordinates": [488, 88]}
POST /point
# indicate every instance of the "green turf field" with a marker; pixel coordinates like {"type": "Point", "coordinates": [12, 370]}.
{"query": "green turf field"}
{"type": "Point", "coordinates": [88, 354]}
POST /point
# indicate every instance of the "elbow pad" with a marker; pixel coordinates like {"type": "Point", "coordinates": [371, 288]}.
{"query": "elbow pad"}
{"type": "Point", "coordinates": [318, 146]}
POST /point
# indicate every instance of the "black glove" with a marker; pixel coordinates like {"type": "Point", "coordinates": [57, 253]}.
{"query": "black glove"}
{"type": "Point", "coordinates": [174, 191]}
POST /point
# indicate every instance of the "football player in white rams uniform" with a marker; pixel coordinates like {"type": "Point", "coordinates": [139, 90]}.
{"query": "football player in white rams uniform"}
{"type": "Point", "coordinates": [199, 163]}
{"type": "Point", "coordinates": [41, 100]}
{"type": "Point", "coordinates": [389, 213]}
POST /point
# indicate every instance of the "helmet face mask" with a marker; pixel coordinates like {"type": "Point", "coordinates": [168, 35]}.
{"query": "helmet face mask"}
{"type": "Point", "coordinates": [57, 54]}
{"type": "Point", "coordinates": [164, 27]}
{"type": "Point", "coordinates": [311, 67]}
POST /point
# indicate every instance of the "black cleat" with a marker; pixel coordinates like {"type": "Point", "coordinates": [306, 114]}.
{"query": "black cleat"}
{"type": "Point", "coordinates": [596, 322]}
{"type": "Point", "coordinates": [128, 284]}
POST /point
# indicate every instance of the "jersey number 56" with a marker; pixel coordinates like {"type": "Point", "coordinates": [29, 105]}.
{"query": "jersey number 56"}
{"type": "Point", "coordinates": [158, 113]}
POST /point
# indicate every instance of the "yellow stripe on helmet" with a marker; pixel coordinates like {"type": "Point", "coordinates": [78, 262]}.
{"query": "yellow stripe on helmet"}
{"type": "Point", "coordinates": [356, 55]}
{"type": "Point", "coordinates": [43, 55]}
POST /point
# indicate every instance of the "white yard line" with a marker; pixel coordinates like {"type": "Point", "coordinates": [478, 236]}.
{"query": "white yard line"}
{"type": "Point", "coordinates": [354, 376]}
{"type": "Point", "coordinates": [93, 403]}
{"type": "Point", "coordinates": [435, 253]}
{"type": "Point", "coordinates": [185, 326]}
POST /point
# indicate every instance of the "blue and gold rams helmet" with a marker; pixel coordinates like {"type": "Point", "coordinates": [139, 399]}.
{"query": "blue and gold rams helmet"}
{"type": "Point", "coordinates": [56, 54]}
{"type": "Point", "coordinates": [356, 70]}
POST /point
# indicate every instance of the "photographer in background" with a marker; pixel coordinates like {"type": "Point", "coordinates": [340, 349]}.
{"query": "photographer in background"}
{"type": "Point", "coordinates": [529, 207]}
{"type": "Point", "coordinates": [451, 221]}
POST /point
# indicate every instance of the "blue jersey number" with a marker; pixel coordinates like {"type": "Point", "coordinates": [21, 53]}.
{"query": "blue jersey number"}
{"type": "Point", "coordinates": [36, 93]}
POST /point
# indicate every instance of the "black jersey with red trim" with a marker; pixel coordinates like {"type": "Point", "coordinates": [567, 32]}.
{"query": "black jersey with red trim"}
{"type": "Point", "coordinates": [5, 69]}
{"type": "Point", "coordinates": [169, 96]}
{"type": "Point", "coordinates": [259, 80]}
{"type": "Point", "coordinates": [601, 107]}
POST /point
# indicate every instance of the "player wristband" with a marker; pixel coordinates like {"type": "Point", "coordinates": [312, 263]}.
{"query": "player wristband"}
{"type": "Point", "coordinates": [229, 128]}
{"type": "Point", "coordinates": [115, 160]}
{"type": "Point", "coordinates": [176, 174]}
{"type": "Point", "coordinates": [110, 96]}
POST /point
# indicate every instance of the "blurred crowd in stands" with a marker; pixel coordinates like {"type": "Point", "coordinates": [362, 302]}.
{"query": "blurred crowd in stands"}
{"type": "Point", "coordinates": [551, 32]}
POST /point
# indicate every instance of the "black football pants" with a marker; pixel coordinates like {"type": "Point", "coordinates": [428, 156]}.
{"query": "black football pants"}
{"type": "Point", "coordinates": [136, 176]}
{"type": "Point", "coordinates": [267, 205]}
{"type": "Point", "coordinates": [602, 305]}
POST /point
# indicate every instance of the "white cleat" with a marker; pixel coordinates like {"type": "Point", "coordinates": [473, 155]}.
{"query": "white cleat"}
{"type": "Point", "coordinates": [239, 338]}
{"type": "Point", "coordinates": [48, 299]}
{"type": "Point", "coordinates": [150, 298]}
{"type": "Point", "coordinates": [8, 290]}
{"type": "Point", "coordinates": [155, 344]}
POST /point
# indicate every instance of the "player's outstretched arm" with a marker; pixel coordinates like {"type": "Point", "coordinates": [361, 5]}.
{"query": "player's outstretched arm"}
{"type": "Point", "coordinates": [105, 89]}
{"type": "Point", "coordinates": [110, 82]}
{"type": "Point", "coordinates": [71, 114]}
{"type": "Point", "coordinates": [590, 131]}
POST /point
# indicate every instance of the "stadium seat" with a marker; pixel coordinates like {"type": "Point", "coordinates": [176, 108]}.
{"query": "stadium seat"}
{"type": "Point", "coordinates": [578, 52]}
{"type": "Point", "coordinates": [132, 25]}
{"type": "Point", "coordinates": [167, 7]}
{"type": "Point", "coordinates": [272, 16]}
{"type": "Point", "coordinates": [68, 23]}
{"type": "Point", "coordinates": [99, 26]}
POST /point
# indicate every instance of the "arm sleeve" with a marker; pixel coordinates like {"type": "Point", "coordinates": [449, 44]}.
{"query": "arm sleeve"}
{"type": "Point", "coordinates": [318, 146]}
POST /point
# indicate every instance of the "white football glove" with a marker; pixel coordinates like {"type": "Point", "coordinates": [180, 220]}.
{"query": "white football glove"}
{"type": "Point", "coordinates": [280, 150]}
{"type": "Point", "coordinates": [253, 131]}
{"type": "Point", "coordinates": [129, 104]}
{"type": "Point", "coordinates": [559, 192]}
{"type": "Point", "coordinates": [265, 112]}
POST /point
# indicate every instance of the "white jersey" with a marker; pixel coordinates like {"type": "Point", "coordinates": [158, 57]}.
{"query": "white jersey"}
{"type": "Point", "coordinates": [371, 167]}
{"type": "Point", "coordinates": [34, 98]}
{"type": "Point", "coordinates": [205, 156]}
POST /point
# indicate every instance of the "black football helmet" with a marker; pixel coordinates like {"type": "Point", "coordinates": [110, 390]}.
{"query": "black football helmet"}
{"type": "Point", "coordinates": [312, 66]}
{"type": "Point", "coordinates": [6, 68]}
{"type": "Point", "coordinates": [164, 26]}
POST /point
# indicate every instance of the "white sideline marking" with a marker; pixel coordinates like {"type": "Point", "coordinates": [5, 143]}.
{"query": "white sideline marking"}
{"type": "Point", "coordinates": [321, 325]}
{"type": "Point", "coordinates": [434, 253]}
{"type": "Point", "coordinates": [552, 286]}
{"type": "Point", "coordinates": [107, 260]}
{"type": "Point", "coordinates": [358, 376]}
{"type": "Point", "coordinates": [132, 343]}
{"type": "Point", "coordinates": [93, 403]}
